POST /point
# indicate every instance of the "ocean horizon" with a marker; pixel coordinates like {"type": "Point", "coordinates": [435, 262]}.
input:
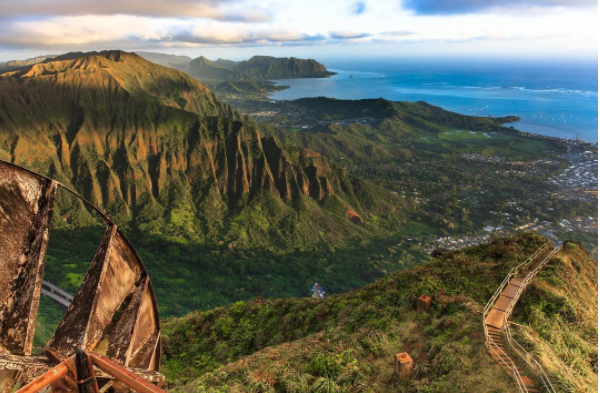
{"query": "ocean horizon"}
{"type": "Point", "coordinates": [552, 99]}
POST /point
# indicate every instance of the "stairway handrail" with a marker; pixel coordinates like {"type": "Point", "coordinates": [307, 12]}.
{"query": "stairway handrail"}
{"type": "Point", "coordinates": [526, 356]}
{"type": "Point", "coordinates": [527, 280]}
{"type": "Point", "coordinates": [513, 272]}
{"type": "Point", "coordinates": [488, 341]}
{"type": "Point", "coordinates": [516, 374]}
{"type": "Point", "coordinates": [530, 360]}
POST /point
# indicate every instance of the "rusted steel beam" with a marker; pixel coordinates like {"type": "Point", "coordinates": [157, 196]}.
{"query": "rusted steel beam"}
{"type": "Point", "coordinates": [130, 379]}
{"type": "Point", "coordinates": [69, 378]}
{"type": "Point", "coordinates": [26, 201]}
{"type": "Point", "coordinates": [53, 375]}
{"type": "Point", "coordinates": [114, 311]}
{"type": "Point", "coordinates": [86, 378]}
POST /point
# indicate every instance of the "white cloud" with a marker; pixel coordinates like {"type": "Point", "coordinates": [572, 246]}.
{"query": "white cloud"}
{"type": "Point", "coordinates": [347, 35]}
{"type": "Point", "coordinates": [141, 24]}
{"type": "Point", "coordinates": [226, 10]}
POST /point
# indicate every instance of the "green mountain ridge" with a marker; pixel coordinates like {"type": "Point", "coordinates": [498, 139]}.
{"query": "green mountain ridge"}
{"type": "Point", "coordinates": [151, 143]}
{"type": "Point", "coordinates": [167, 60]}
{"type": "Point", "coordinates": [346, 342]}
{"type": "Point", "coordinates": [267, 67]}
{"type": "Point", "coordinates": [251, 76]}
{"type": "Point", "coordinates": [204, 69]}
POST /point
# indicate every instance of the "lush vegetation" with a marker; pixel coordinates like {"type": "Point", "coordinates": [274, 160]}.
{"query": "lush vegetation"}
{"type": "Point", "coordinates": [223, 209]}
{"type": "Point", "coordinates": [163, 156]}
{"type": "Point", "coordinates": [347, 342]}
{"type": "Point", "coordinates": [461, 173]}
{"type": "Point", "coordinates": [558, 320]}
{"type": "Point", "coordinates": [251, 77]}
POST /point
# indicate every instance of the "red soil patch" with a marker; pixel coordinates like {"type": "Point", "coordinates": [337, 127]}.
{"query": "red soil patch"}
{"type": "Point", "coordinates": [354, 217]}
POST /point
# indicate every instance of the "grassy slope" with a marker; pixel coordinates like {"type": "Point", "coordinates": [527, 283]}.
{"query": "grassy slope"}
{"type": "Point", "coordinates": [349, 340]}
{"type": "Point", "coordinates": [417, 149]}
{"type": "Point", "coordinates": [405, 130]}
{"type": "Point", "coordinates": [560, 316]}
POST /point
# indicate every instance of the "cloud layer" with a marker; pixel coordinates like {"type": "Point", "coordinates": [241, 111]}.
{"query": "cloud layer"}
{"type": "Point", "coordinates": [347, 35]}
{"type": "Point", "coordinates": [453, 7]}
{"type": "Point", "coordinates": [224, 10]}
{"type": "Point", "coordinates": [53, 26]}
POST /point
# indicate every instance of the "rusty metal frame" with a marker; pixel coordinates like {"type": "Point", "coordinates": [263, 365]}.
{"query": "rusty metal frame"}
{"type": "Point", "coordinates": [85, 375]}
{"type": "Point", "coordinates": [130, 326]}
{"type": "Point", "coordinates": [130, 379]}
{"type": "Point", "coordinates": [51, 376]}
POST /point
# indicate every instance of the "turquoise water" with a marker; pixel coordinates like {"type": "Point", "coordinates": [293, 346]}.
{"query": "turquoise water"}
{"type": "Point", "coordinates": [559, 100]}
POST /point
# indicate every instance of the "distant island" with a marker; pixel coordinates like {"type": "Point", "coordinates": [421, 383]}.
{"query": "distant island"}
{"type": "Point", "coordinates": [248, 77]}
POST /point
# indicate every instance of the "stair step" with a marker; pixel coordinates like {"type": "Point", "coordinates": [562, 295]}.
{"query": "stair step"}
{"type": "Point", "coordinates": [495, 326]}
{"type": "Point", "coordinates": [516, 282]}
{"type": "Point", "coordinates": [495, 318]}
{"type": "Point", "coordinates": [502, 303]}
{"type": "Point", "coordinates": [510, 291]}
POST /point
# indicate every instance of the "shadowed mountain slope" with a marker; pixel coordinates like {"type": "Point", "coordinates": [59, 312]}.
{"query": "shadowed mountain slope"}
{"type": "Point", "coordinates": [157, 150]}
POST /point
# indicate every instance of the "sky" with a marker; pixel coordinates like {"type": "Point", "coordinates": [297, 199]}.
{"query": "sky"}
{"type": "Point", "coordinates": [238, 29]}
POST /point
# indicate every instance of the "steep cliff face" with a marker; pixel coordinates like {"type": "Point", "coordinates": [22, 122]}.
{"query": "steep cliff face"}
{"type": "Point", "coordinates": [307, 173]}
{"type": "Point", "coordinates": [151, 145]}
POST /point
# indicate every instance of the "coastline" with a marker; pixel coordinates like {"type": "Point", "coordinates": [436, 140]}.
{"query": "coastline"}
{"type": "Point", "coordinates": [549, 112]}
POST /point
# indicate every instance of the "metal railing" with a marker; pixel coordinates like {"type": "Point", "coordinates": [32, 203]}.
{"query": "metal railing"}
{"type": "Point", "coordinates": [511, 274]}
{"type": "Point", "coordinates": [526, 356]}
{"type": "Point", "coordinates": [530, 275]}
{"type": "Point", "coordinates": [492, 346]}
{"type": "Point", "coordinates": [55, 293]}
{"type": "Point", "coordinates": [512, 366]}
{"type": "Point", "coordinates": [531, 361]}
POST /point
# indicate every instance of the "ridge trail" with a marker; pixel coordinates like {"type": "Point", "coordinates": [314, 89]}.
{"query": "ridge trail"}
{"type": "Point", "coordinates": [499, 341]}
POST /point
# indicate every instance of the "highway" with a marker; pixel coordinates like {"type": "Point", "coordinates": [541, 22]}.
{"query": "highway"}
{"type": "Point", "coordinates": [55, 293]}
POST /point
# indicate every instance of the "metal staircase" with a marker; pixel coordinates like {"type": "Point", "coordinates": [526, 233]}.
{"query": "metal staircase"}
{"type": "Point", "coordinates": [498, 338]}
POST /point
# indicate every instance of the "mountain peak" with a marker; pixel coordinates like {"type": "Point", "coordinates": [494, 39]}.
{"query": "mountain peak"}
{"type": "Point", "coordinates": [146, 142]}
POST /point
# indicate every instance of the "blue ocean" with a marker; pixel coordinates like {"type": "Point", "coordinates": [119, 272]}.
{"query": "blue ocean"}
{"type": "Point", "coordinates": [551, 98]}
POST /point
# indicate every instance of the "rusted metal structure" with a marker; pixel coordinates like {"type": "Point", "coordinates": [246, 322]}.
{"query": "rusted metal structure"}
{"type": "Point", "coordinates": [114, 312]}
{"type": "Point", "coordinates": [78, 373]}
